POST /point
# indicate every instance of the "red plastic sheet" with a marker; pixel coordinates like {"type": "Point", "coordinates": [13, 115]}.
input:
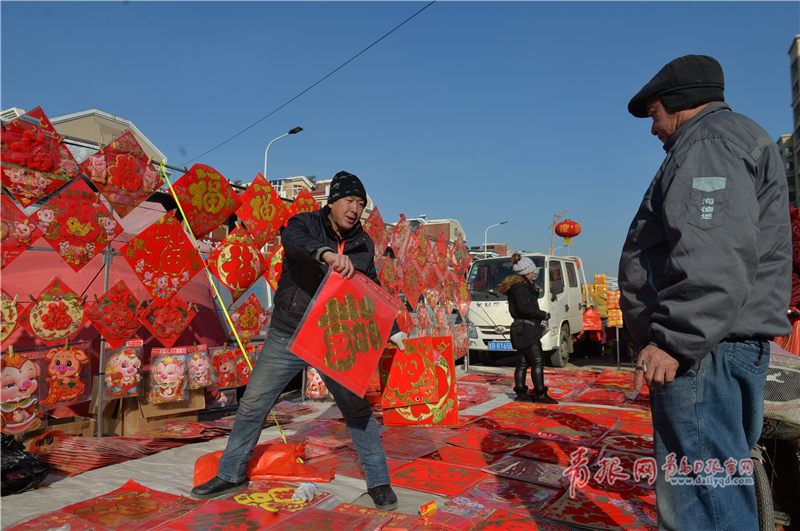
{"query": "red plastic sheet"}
{"type": "Point", "coordinates": [34, 161]}
{"type": "Point", "coordinates": [550, 451]}
{"type": "Point", "coordinates": [262, 210]}
{"type": "Point", "coordinates": [123, 173]}
{"type": "Point", "coordinates": [504, 493]}
{"type": "Point", "coordinates": [222, 515]}
{"type": "Point", "coordinates": [397, 521]}
{"type": "Point", "coordinates": [511, 466]}
{"type": "Point", "coordinates": [445, 410]}
{"type": "Point", "coordinates": [56, 315]}
{"type": "Point", "coordinates": [206, 197]}
{"type": "Point", "coordinates": [249, 318]}
{"type": "Point", "coordinates": [486, 441]}
{"type": "Point", "coordinates": [317, 519]}
{"type": "Point", "coordinates": [77, 225]}
{"type": "Point", "coordinates": [115, 314]}
{"type": "Point", "coordinates": [17, 231]}
{"type": "Point", "coordinates": [19, 394]}
{"type": "Point", "coordinates": [551, 422]}
{"type": "Point", "coordinates": [408, 376]}
{"type": "Point", "coordinates": [462, 457]}
{"type": "Point", "coordinates": [502, 520]}
{"type": "Point", "coordinates": [162, 257]}
{"type": "Point", "coordinates": [345, 329]}
{"type": "Point", "coordinates": [435, 477]}
{"type": "Point", "coordinates": [376, 228]}
{"type": "Point", "coordinates": [11, 310]}
{"type": "Point", "coordinates": [167, 319]}
{"type": "Point", "coordinates": [598, 511]}
{"type": "Point", "coordinates": [130, 507]}
{"type": "Point", "coordinates": [237, 262]}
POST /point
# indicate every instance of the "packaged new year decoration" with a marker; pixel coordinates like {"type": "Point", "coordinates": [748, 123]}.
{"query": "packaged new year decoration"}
{"type": "Point", "coordinates": [19, 394]}
{"type": "Point", "coordinates": [168, 379]}
{"type": "Point", "coordinates": [122, 370]}
{"type": "Point", "coordinates": [199, 366]}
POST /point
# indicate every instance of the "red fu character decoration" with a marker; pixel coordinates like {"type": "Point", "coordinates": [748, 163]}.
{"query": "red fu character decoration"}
{"type": "Point", "coordinates": [568, 229]}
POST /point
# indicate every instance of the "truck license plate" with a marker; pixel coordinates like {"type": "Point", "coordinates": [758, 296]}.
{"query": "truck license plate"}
{"type": "Point", "coordinates": [500, 345]}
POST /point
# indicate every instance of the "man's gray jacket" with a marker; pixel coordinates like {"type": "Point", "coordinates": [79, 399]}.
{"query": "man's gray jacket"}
{"type": "Point", "coordinates": [708, 254]}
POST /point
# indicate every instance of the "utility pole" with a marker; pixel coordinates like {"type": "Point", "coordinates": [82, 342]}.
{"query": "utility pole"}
{"type": "Point", "coordinates": [556, 218]}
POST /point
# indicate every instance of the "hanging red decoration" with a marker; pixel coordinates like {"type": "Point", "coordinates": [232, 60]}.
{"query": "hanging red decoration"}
{"type": "Point", "coordinates": [69, 377]}
{"type": "Point", "coordinates": [398, 240]}
{"type": "Point", "coordinates": [274, 267]}
{"type": "Point", "coordinates": [10, 310]}
{"type": "Point", "coordinates": [167, 320]}
{"type": "Point", "coordinates": [568, 229]}
{"type": "Point", "coordinates": [207, 198]}
{"type": "Point", "coordinates": [389, 275]}
{"type": "Point", "coordinates": [237, 262]}
{"type": "Point", "coordinates": [412, 283]}
{"type": "Point", "coordinates": [77, 225]}
{"type": "Point", "coordinates": [56, 315]}
{"type": "Point", "coordinates": [123, 173]}
{"type": "Point", "coordinates": [115, 314]}
{"type": "Point", "coordinates": [303, 202]}
{"type": "Point", "coordinates": [345, 329]}
{"type": "Point", "coordinates": [35, 163]}
{"type": "Point", "coordinates": [17, 232]}
{"type": "Point", "coordinates": [248, 318]}
{"type": "Point", "coordinates": [262, 210]}
{"type": "Point", "coordinates": [376, 228]}
{"type": "Point", "coordinates": [19, 394]}
{"type": "Point", "coordinates": [459, 258]}
{"type": "Point", "coordinates": [162, 257]}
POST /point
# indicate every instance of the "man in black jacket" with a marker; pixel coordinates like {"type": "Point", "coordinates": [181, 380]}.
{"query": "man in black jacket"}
{"type": "Point", "coordinates": [312, 242]}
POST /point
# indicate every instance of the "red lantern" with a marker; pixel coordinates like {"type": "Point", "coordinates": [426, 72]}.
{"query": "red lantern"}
{"type": "Point", "coordinates": [568, 229]}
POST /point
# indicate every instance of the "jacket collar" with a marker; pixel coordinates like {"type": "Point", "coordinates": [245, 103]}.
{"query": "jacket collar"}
{"type": "Point", "coordinates": [714, 106]}
{"type": "Point", "coordinates": [354, 231]}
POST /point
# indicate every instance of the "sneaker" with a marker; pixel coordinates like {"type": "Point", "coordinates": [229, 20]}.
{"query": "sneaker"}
{"type": "Point", "coordinates": [216, 487]}
{"type": "Point", "coordinates": [383, 497]}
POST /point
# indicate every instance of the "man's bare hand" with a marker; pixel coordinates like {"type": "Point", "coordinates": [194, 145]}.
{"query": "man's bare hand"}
{"type": "Point", "coordinates": [655, 367]}
{"type": "Point", "coordinates": [340, 263]}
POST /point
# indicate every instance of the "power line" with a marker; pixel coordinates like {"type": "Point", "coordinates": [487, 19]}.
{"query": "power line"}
{"type": "Point", "coordinates": [323, 78]}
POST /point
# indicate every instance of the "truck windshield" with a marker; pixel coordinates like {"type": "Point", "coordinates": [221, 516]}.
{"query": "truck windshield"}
{"type": "Point", "coordinates": [486, 275]}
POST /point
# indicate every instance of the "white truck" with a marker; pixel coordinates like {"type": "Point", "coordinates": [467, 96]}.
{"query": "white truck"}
{"type": "Point", "coordinates": [561, 284]}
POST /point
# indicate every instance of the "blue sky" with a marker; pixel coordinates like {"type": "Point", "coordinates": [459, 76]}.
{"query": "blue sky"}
{"type": "Point", "coordinates": [476, 111]}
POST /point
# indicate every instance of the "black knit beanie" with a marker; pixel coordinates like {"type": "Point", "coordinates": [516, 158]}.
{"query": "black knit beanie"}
{"type": "Point", "coordinates": [345, 184]}
{"type": "Point", "coordinates": [683, 83]}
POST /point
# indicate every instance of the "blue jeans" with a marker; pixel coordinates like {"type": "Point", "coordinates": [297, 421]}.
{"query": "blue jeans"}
{"type": "Point", "coordinates": [714, 410]}
{"type": "Point", "coordinates": [274, 369]}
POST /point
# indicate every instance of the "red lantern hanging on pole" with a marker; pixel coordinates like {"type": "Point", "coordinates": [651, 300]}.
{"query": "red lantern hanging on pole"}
{"type": "Point", "coordinates": [568, 229]}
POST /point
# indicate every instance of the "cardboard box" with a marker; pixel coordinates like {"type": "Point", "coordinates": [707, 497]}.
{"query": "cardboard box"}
{"type": "Point", "coordinates": [130, 417]}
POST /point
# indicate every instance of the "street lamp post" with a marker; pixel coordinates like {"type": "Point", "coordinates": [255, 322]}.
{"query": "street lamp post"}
{"type": "Point", "coordinates": [292, 131]}
{"type": "Point", "coordinates": [486, 235]}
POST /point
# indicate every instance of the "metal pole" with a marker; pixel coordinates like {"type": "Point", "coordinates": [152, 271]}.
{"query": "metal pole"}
{"type": "Point", "coordinates": [266, 151]}
{"type": "Point", "coordinates": [108, 257]}
{"type": "Point", "coordinates": [617, 331]}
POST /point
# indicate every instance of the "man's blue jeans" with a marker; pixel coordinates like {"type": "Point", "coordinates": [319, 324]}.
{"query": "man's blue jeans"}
{"type": "Point", "coordinates": [273, 370]}
{"type": "Point", "coordinates": [713, 411]}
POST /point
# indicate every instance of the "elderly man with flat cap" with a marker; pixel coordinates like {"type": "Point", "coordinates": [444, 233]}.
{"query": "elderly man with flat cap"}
{"type": "Point", "coordinates": [313, 242]}
{"type": "Point", "coordinates": [705, 281]}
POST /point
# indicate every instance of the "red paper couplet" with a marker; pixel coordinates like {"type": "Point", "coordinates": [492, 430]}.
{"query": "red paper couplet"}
{"type": "Point", "coordinates": [206, 197]}
{"type": "Point", "coordinates": [123, 173]}
{"type": "Point", "coordinates": [262, 210]}
{"type": "Point", "coordinates": [77, 224]}
{"type": "Point", "coordinates": [35, 163]}
{"type": "Point", "coordinates": [345, 329]}
{"type": "Point", "coordinates": [17, 232]}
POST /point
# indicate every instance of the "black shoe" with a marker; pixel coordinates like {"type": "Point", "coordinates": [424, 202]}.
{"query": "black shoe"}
{"type": "Point", "coordinates": [216, 487]}
{"type": "Point", "coordinates": [383, 497]}
{"type": "Point", "coordinates": [542, 397]}
{"type": "Point", "coordinates": [522, 394]}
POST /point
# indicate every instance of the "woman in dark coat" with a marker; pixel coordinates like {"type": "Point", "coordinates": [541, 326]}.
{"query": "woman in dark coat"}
{"type": "Point", "coordinates": [527, 328]}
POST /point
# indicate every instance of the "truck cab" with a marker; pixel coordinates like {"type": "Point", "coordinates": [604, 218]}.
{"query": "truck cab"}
{"type": "Point", "coordinates": [561, 284]}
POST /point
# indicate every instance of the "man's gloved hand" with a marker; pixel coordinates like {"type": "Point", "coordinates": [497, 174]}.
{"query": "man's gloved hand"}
{"type": "Point", "coordinates": [398, 339]}
{"type": "Point", "coordinates": [305, 492]}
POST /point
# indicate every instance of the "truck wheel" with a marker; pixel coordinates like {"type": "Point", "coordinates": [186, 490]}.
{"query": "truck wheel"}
{"type": "Point", "coordinates": [560, 356]}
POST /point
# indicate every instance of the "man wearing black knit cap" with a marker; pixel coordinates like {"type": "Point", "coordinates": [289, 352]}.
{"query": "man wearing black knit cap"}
{"type": "Point", "coordinates": [704, 279]}
{"type": "Point", "coordinates": [312, 242]}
